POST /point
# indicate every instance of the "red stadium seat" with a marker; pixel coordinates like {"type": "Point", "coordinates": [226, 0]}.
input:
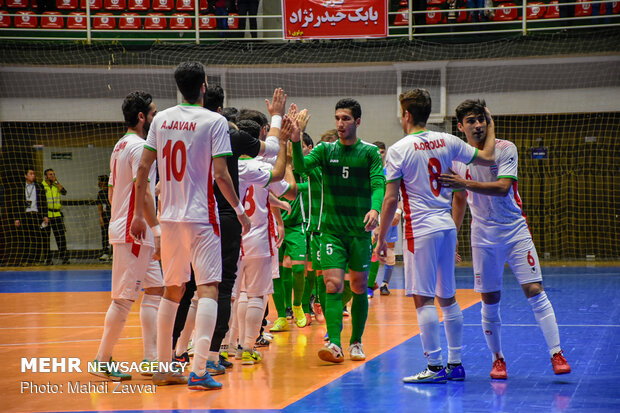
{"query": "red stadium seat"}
{"type": "Point", "coordinates": [535, 10]}
{"type": "Point", "coordinates": [139, 5]}
{"type": "Point", "coordinates": [155, 21]}
{"type": "Point", "coordinates": [503, 13]}
{"type": "Point", "coordinates": [188, 5]}
{"type": "Point", "coordinates": [233, 21]}
{"type": "Point", "coordinates": [5, 21]}
{"type": "Point", "coordinates": [104, 21]}
{"type": "Point", "coordinates": [402, 18]}
{"type": "Point", "coordinates": [181, 21]}
{"type": "Point", "coordinates": [94, 4]}
{"type": "Point", "coordinates": [163, 5]}
{"type": "Point", "coordinates": [553, 10]}
{"type": "Point", "coordinates": [616, 6]}
{"type": "Point", "coordinates": [66, 4]}
{"type": "Point", "coordinates": [26, 20]}
{"type": "Point", "coordinates": [52, 20]}
{"type": "Point", "coordinates": [17, 4]}
{"type": "Point", "coordinates": [115, 5]}
{"type": "Point", "coordinates": [583, 9]}
{"type": "Point", "coordinates": [129, 21]}
{"type": "Point", "coordinates": [433, 16]}
{"type": "Point", "coordinates": [76, 20]}
{"type": "Point", "coordinates": [207, 22]}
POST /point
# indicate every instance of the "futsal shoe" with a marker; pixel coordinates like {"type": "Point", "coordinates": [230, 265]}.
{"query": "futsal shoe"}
{"type": "Point", "coordinates": [205, 382]}
{"type": "Point", "coordinates": [318, 313]}
{"type": "Point", "coordinates": [250, 357]}
{"type": "Point", "coordinates": [215, 369]}
{"type": "Point", "coordinates": [498, 372]}
{"type": "Point", "coordinates": [224, 358]}
{"type": "Point", "coordinates": [183, 358]}
{"type": "Point", "coordinates": [428, 376]}
{"type": "Point", "coordinates": [371, 292]}
{"type": "Point", "coordinates": [384, 290]}
{"type": "Point", "coordinates": [559, 363]}
{"type": "Point", "coordinates": [262, 342]}
{"type": "Point", "coordinates": [169, 378]}
{"type": "Point", "coordinates": [239, 352]}
{"type": "Point", "coordinates": [345, 312]}
{"type": "Point", "coordinates": [308, 319]}
{"type": "Point", "coordinates": [300, 317]}
{"type": "Point", "coordinates": [145, 368]}
{"type": "Point", "coordinates": [289, 313]}
{"type": "Point", "coordinates": [107, 371]}
{"type": "Point", "coordinates": [455, 372]}
{"type": "Point", "coordinates": [332, 353]}
{"type": "Point", "coordinates": [356, 352]}
{"type": "Point", "coordinates": [281, 324]}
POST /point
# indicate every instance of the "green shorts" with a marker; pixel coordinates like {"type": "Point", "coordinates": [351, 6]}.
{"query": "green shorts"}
{"type": "Point", "coordinates": [315, 250]}
{"type": "Point", "coordinates": [294, 244]}
{"type": "Point", "coordinates": [339, 250]}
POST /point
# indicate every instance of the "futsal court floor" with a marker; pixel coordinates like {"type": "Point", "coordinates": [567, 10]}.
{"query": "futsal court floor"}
{"type": "Point", "coordinates": [60, 313]}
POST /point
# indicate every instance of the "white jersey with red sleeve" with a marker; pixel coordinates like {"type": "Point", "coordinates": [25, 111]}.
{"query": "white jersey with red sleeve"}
{"type": "Point", "coordinates": [418, 160]}
{"type": "Point", "coordinates": [496, 220]}
{"type": "Point", "coordinates": [186, 138]}
{"type": "Point", "coordinates": [123, 169]}
{"type": "Point", "coordinates": [254, 186]}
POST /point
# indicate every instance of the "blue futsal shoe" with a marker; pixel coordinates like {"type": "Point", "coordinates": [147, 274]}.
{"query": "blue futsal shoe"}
{"type": "Point", "coordinates": [205, 382]}
{"type": "Point", "coordinates": [455, 372]}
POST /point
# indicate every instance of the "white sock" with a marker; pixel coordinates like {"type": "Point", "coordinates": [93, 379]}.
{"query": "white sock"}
{"type": "Point", "coordinates": [233, 328]}
{"type": "Point", "coordinates": [491, 327]}
{"type": "Point", "coordinates": [148, 321]}
{"type": "Point", "coordinates": [214, 356]}
{"type": "Point", "coordinates": [206, 317]}
{"type": "Point", "coordinates": [453, 326]}
{"type": "Point", "coordinates": [115, 319]}
{"type": "Point", "coordinates": [188, 328]}
{"type": "Point", "coordinates": [253, 321]}
{"type": "Point", "coordinates": [165, 325]}
{"type": "Point", "coordinates": [428, 320]}
{"type": "Point", "coordinates": [242, 309]}
{"type": "Point", "coordinates": [543, 312]}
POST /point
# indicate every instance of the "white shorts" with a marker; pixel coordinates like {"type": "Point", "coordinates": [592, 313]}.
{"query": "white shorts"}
{"type": "Point", "coordinates": [275, 266]}
{"type": "Point", "coordinates": [429, 271]}
{"type": "Point", "coordinates": [189, 242]}
{"type": "Point", "coordinates": [256, 276]}
{"type": "Point", "coordinates": [489, 265]}
{"type": "Point", "coordinates": [237, 287]}
{"type": "Point", "coordinates": [129, 270]}
{"type": "Point", "coordinates": [154, 278]}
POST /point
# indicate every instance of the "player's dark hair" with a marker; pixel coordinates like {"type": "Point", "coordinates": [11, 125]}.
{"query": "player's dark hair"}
{"type": "Point", "coordinates": [307, 139]}
{"type": "Point", "coordinates": [135, 103]}
{"type": "Point", "coordinates": [102, 178]}
{"type": "Point", "coordinates": [231, 114]}
{"type": "Point", "coordinates": [255, 115]}
{"type": "Point", "coordinates": [418, 103]}
{"type": "Point", "coordinates": [470, 107]}
{"type": "Point", "coordinates": [190, 76]}
{"type": "Point", "coordinates": [379, 144]}
{"type": "Point", "coordinates": [27, 169]}
{"type": "Point", "coordinates": [214, 97]}
{"type": "Point", "coordinates": [351, 104]}
{"type": "Point", "coordinates": [250, 127]}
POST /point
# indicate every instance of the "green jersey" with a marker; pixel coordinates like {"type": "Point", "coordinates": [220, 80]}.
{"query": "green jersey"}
{"type": "Point", "coordinates": [297, 215]}
{"type": "Point", "coordinates": [353, 183]}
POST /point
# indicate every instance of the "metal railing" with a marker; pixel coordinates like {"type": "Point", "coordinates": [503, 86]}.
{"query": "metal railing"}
{"type": "Point", "coordinates": [270, 26]}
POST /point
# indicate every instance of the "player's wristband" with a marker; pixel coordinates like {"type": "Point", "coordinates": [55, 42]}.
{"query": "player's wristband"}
{"type": "Point", "coordinates": [156, 230]}
{"type": "Point", "coordinates": [276, 121]}
{"type": "Point", "coordinates": [399, 211]}
{"type": "Point", "coordinates": [239, 209]}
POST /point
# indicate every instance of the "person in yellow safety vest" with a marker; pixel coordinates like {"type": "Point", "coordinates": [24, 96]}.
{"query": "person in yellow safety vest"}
{"type": "Point", "coordinates": [53, 191]}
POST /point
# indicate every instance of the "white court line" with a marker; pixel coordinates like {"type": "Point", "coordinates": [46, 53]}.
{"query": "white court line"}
{"type": "Point", "coordinates": [63, 342]}
{"type": "Point", "coordinates": [559, 325]}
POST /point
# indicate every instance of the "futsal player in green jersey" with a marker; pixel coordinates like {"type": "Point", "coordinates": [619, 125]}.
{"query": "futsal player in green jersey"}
{"type": "Point", "coordinates": [353, 189]}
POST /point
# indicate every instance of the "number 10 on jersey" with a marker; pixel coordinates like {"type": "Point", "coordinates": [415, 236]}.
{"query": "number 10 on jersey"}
{"type": "Point", "coordinates": [174, 165]}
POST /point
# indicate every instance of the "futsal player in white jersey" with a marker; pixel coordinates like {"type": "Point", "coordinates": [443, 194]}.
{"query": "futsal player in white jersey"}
{"type": "Point", "coordinates": [258, 247]}
{"type": "Point", "coordinates": [130, 260]}
{"type": "Point", "coordinates": [413, 165]}
{"type": "Point", "coordinates": [499, 234]}
{"type": "Point", "coordinates": [190, 143]}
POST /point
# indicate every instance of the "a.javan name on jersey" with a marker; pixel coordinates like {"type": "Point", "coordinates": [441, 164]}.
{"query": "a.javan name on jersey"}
{"type": "Point", "coordinates": [426, 146]}
{"type": "Point", "coordinates": [179, 125]}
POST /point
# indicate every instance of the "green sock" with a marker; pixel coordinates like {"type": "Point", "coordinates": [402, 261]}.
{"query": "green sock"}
{"type": "Point", "coordinates": [346, 294]}
{"type": "Point", "coordinates": [333, 317]}
{"type": "Point", "coordinates": [359, 314]}
{"type": "Point", "coordinates": [320, 284]}
{"type": "Point", "coordinates": [308, 289]}
{"type": "Point", "coordinates": [372, 273]}
{"type": "Point", "coordinates": [287, 282]}
{"type": "Point", "coordinates": [299, 280]}
{"type": "Point", "coordinates": [278, 297]}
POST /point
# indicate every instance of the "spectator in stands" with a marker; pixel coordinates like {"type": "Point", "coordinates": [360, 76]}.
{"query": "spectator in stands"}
{"type": "Point", "coordinates": [221, 8]}
{"type": "Point", "coordinates": [596, 11]}
{"type": "Point", "coordinates": [419, 19]}
{"type": "Point", "coordinates": [481, 15]}
{"type": "Point", "coordinates": [453, 15]}
{"type": "Point", "coordinates": [53, 191]}
{"type": "Point", "coordinates": [567, 11]}
{"type": "Point", "coordinates": [247, 8]}
{"type": "Point", "coordinates": [45, 5]}
{"type": "Point", "coordinates": [30, 218]}
{"type": "Point", "coordinates": [104, 208]}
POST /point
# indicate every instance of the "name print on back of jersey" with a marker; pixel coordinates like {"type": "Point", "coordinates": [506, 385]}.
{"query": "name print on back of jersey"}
{"type": "Point", "coordinates": [179, 125]}
{"type": "Point", "coordinates": [427, 146]}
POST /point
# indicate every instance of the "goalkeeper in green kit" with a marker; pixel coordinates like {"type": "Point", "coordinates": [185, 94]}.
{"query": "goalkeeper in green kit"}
{"type": "Point", "coordinates": [353, 189]}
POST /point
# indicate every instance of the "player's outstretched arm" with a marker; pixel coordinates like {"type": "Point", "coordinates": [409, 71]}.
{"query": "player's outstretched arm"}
{"type": "Point", "coordinates": [487, 155]}
{"type": "Point", "coordinates": [276, 108]}
{"type": "Point", "coordinates": [388, 209]}
{"type": "Point", "coordinates": [377, 187]}
{"type": "Point", "coordinates": [303, 163]}
{"type": "Point", "coordinates": [151, 218]}
{"type": "Point", "coordinates": [224, 182]}
{"type": "Point", "coordinates": [501, 187]}
{"type": "Point", "coordinates": [279, 167]}
{"type": "Point", "coordinates": [138, 225]}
